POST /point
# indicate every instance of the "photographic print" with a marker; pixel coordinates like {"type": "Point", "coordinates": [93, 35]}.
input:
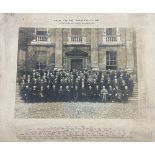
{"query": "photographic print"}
{"type": "Point", "coordinates": [77, 73]}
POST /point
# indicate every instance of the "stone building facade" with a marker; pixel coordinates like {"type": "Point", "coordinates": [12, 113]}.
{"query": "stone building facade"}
{"type": "Point", "coordinates": [80, 48]}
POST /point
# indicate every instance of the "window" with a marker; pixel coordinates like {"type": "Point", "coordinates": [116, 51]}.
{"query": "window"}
{"type": "Point", "coordinates": [111, 60]}
{"type": "Point", "coordinates": [41, 59]}
{"type": "Point", "coordinates": [41, 56]}
{"type": "Point", "coordinates": [76, 35]}
{"type": "Point", "coordinates": [111, 31]}
{"type": "Point", "coordinates": [76, 31]}
{"type": "Point", "coordinates": [41, 32]}
{"type": "Point", "coordinates": [40, 66]}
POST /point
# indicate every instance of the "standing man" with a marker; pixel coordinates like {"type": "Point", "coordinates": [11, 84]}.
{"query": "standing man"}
{"type": "Point", "coordinates": [104, 93]}
{"type": "Point", "coordinates": [90, 94]}
{"type": "Point", "coordinates": [97, 94]}
{"type": "Point", "coordinates": [66, 95]}
{"type": "Point", "coordinates": [76, 94]}
{"type": "Point", "coordinates": [110, 94]}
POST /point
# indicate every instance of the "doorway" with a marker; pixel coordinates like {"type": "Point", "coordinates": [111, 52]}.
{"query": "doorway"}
{"type": "Point", "coordinates": [77, 64]}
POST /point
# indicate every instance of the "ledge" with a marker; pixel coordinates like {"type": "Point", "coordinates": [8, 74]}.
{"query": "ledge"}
{"type": "Point", "coordinates": [41, 44]}
{"type": "Point", "coordinates": [111, 44]}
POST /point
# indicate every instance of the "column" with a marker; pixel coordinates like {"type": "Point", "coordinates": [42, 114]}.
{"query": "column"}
{"type": "Point", "coordinates": [94, 50]}
{"type": "Point", "coordinates": [104, 36]}
{"type": "Point", "coordinates": [58, 49]}
{"type": "Point", "coordinates": [129, 49]}
{"type": "Point", "coordinates": [118, 34]}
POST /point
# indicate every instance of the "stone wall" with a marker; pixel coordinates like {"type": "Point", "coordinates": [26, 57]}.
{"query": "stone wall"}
{"type": "Point", "coordinates": [56, 52]}
{"type": "Point", "coordinates": [21, 58]}
{"type": "Point", "coordinates": [130, 49]}
{"type": "Point", "coordinates": [32, 55]}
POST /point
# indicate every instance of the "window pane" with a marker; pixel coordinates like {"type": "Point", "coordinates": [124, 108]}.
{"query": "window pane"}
{"type": "Point", "coordinates": [111, 63]}
{"type": "Point", "coordinates": [114, 62]}
{"type": "Point", "coordinates": [109, 31]}
{"type": "Point", "coordinates": [114, 31]}
{"type": "Point", "coordinates": [111, 58]}
{"type": "Point", "coordinates": [76, 31]}
{"type": "Point", "coordinates": [41, 32]}
{"type": "Point", "coordinates": [107, 62]}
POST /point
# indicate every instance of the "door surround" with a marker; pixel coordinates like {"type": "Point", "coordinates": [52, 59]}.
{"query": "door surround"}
{"type": "Point", "coordinates": [70, 58]}
{"type": "Point", "coordinates": [76, 54]}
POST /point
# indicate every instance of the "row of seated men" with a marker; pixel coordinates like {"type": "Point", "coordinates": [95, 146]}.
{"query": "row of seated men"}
{"type": "Point", "coordinates": [74, 86]}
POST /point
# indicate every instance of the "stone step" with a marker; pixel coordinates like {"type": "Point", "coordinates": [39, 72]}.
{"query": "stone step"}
{"type": "Point", "coordinates": [133, 100]}
{"type": "Point", "coordinates": [18, 99]}
{"type": "Point", "coordinates": [134, 92]}
{"type": "Point", "coordinates": [134, 97]}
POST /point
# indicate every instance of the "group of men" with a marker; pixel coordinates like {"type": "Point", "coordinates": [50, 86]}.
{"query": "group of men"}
{"type": "Point", "coordinates": [76, 86]}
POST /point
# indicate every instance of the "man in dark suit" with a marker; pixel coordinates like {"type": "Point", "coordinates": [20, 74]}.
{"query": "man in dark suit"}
{"type": "Point", "coordinates": [90, 94]}
{"type": "Point", "coordinates": [83, 94]}
{"type": "Point", "coordinates": [117, 94]}
{"type": "Point", "coordinates": [130, 84]}
{"type": "Point", "coordinates": [110, 94]}
{"type": "Point", "coordinates": [97, 94]}
{"type": "Point", "coordinates": [76, 93]}
{"type": "Point", "coordinates": [125, 94]}
{"type": "Point", "coordinates": [67, 93]}
{"type": "Point", "coordinates": [27, 93]}
{"type": "Point", "coordinates": [54, 93]}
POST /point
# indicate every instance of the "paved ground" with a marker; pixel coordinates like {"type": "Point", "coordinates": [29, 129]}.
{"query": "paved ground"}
{"type": "Point", "coordinates": [77, 110]}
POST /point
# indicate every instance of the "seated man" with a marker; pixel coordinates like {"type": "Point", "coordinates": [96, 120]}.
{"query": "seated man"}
{"type": "Point", "coordinates": [60, 93]}
{"type": "Point", "coordinates": [76, 94]}
{"type": "Point", "coordinates": [47, 93]}
{"type": "Point", "coordinates": [27, 93]}
{"type": "Point", "coordinates": [34, 94]}
{"type": "Point", "coordinates": [42, 93]}
{"type": "Point", "coordinates": [83, 94]}
{"type": "Point", "coordinates": [117, 94]}
{"type": "Point", "coordinates": [125, 94]}
{"type": "Point", "coordinates": [54, 93]}
{"type": "Point", "coordinates": [67, 94]}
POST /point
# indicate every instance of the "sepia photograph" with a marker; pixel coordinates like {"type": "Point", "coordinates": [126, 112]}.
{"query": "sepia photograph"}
{"type": "Point", "coordinates": [77, 73]}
